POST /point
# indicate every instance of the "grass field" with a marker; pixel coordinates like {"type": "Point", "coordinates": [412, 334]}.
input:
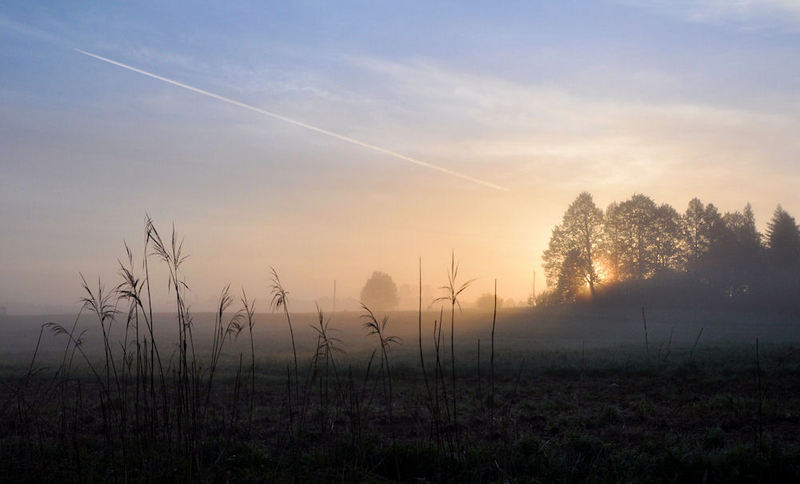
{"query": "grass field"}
{"type": "Point", "coordinates": [572, 394]}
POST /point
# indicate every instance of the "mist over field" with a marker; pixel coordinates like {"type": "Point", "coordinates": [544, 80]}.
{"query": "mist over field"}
{"type": "Point", "coordinates": [400, 241]}
{"type": "Point", "coordinates": [520, 330]}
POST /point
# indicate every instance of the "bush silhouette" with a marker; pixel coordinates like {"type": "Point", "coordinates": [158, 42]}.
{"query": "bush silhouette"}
{"type": "Point", "coordinates": [380, 292]}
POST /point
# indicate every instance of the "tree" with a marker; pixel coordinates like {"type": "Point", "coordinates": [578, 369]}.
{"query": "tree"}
{"type": "Point", "coordinates": [705, 232]}
{"type": "Point", "coordinates": [632, 233]}
{"type": "Point", "coordinates": [485, 302]}
{"type": "Point", "coordinates": [694, 231]}
{"type": "Point", "coordinates": [379, 292]}
{"type": "Point", "coordinates": [783, 239]}
{"type": "Point", "coordinates": [667, 244]}
{"type": "Point", "coordinates": [744, 236]}
{"type": "Point", "coordinates": [570, 260]}
{"type": "Point", "coordinates": [572, 277]}
{"type": "Point", "coordinates": [740, 252]}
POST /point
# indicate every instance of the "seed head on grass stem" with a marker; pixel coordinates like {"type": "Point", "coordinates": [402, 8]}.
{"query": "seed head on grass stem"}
{"type": "Point", "coordinates": [222, 332]}
{"type": "Point", "coordinates": [100, 303]}
{"type": "Point", "coordinates": [374, 327]}
{"type": "Point", "coordinates": [280, 301]}
{"type": "Point", "coordinates": [327, 346]}
{"type": "Point", "coordinates": [453, 291]}
{"type": "Point", "coordinates": [249, 309]}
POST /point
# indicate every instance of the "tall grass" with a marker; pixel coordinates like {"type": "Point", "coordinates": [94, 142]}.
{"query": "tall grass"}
{"type": "Point", "coordinates": [141, 409]}
{"type": "Point", "coordinates": [280, 300]}
{"type": "Point", "coordinates": [454, 290]}
{"type": "Point", "coordinates": [385, 341]}
{"type": "Point", "coordinates": [221, 332]}
{"type": "Point", "coordinates": [325, 362]}
{"type": "Point", "coordinates": [491, 357]}
{"type": "Point", "coordinates": [166, 410]}
{"type": "Point", "coordinates": [249, 309]}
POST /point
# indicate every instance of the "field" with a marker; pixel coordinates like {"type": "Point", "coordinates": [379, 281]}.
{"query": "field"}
{"type": "Point", "coordinates": [575, 394]}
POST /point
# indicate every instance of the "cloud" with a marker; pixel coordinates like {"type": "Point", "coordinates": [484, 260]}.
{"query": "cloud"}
{"type": "Point", "coordinates": [743, 14]}
{"type": "Point", "coordinates": [15, 28]}
{"type": "Point", "coordinates": [548, 131]}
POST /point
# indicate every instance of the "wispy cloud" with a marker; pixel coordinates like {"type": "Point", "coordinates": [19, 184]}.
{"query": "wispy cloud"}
{"type": "Point", "coordinates": [744, 14]}
{"type": "Point", "coordinates": [301, 124]}
{"type": "Point", "coordinates": [548, 130]}
{"type": "Point", "coordinates": [16, 28]}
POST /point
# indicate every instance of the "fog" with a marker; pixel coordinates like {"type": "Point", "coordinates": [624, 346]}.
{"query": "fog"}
{"type": "Point", "coordinates": [535, 99]}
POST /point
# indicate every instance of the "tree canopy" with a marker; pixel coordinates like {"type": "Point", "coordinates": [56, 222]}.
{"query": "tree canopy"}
{"type": "Point", "coordinates": [379, 292]}
{"type": "Point", "coordinates": [783, 239]}
{"type": "Point", "coordinates": [571, 258]}
{"type": "Point", "coordinates": [637, 241]}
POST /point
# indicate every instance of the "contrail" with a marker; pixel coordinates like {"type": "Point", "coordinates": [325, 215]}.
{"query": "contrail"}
{"type": "Point", "coordinates": [298, 123]}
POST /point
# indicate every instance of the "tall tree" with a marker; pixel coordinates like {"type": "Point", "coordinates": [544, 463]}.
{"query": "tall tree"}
{"type": "Point", "coordinates": [695, 233]}
{"type": "Point", "coordinates": [668, 242]}
{"type": "Point", "coordinates": [633, 235]}
{"type": "Point", "coordinates": [740, 253]}
{"type": "Point", "coordinates": [572, 277]}
{"type": "Point", "coordinates": [783, 239]}
{"type": "Point", "coordinates": [704, 234]}
{"type": "Point", "coordinates": [572, 254]}
{"type": "Point", "coordinates": [742, 226]}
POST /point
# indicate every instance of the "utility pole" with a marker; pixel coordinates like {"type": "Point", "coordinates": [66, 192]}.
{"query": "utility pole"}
{"type": "Point", "coordinates": [334, 296]}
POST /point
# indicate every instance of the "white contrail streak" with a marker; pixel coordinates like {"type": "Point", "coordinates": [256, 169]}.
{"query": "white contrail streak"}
{"type": "Point", "coordinates": [298, 123]}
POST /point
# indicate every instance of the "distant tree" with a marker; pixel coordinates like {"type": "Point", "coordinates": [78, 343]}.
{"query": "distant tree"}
{"type": "Point", "coordinates": [783, 239]}
{"type": "Point", "coordinates": [485, 302]}
{"type": "Point", "coordinates": [379, 292]}
{"type": "Point", "coordinates": [572, 254]}
{"type": "Point", "coordinates": [740, 252]}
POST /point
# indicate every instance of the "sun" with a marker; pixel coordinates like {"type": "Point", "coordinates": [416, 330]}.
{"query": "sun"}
{"type": "Point", "coordinates": [604, 272]}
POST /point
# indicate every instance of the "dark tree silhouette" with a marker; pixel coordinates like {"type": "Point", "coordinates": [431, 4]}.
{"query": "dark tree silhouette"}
{"type": "Point", "coordinates": [641, 237]}
{"type": "Point", "coordinates": [783, 239]}
{"type": "Point", "coordinates": [668, 241]}
{"type": "Point", "coordinates": [571, 277]}
{"type": "Point", "coordinates": [738, 256]}
{"type": "Point", "coordinates": [379, 292]}
{"type": "Point", "coordinates": [651, 253]}
{"type": "Point", "coordinates": [742, 227]}
{"type": "Point", "coordinates": [704, 232]}
{"type": "Point", "coordinates": [695, 231]}
{"type": "Point", "coordinates": [570, 260]}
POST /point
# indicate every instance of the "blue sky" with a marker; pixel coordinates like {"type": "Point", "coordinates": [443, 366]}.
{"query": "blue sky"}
{"type": "Point", "coordinates": [672, 99]}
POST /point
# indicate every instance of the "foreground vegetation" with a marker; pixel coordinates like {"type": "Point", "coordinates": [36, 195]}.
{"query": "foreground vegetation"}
{"type": "Point", "coordinates": [561, 417]}
{"type": "Point", "coordinates": [212, 403]}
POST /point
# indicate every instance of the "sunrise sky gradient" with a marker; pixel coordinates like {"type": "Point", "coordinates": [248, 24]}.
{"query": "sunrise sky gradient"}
{"type": "Point", "coordinates": [673, 99]}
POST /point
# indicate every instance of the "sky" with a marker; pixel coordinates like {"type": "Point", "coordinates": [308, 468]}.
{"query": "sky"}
{"type": "Point", "coordinates": [674, 99]}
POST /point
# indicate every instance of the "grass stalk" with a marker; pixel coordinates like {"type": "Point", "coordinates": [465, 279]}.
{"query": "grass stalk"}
{"type": "Point", "coordinates": [491, 356]}
{"type": "Point", "coordinates": [280, 300]}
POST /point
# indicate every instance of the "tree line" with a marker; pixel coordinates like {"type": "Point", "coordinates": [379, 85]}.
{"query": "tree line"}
{"type": "Point", "coordinates": [638, 248]}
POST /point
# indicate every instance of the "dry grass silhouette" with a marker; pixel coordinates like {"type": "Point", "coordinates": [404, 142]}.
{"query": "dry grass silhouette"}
{"type": "Point", "coordinates": [142, 406]}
